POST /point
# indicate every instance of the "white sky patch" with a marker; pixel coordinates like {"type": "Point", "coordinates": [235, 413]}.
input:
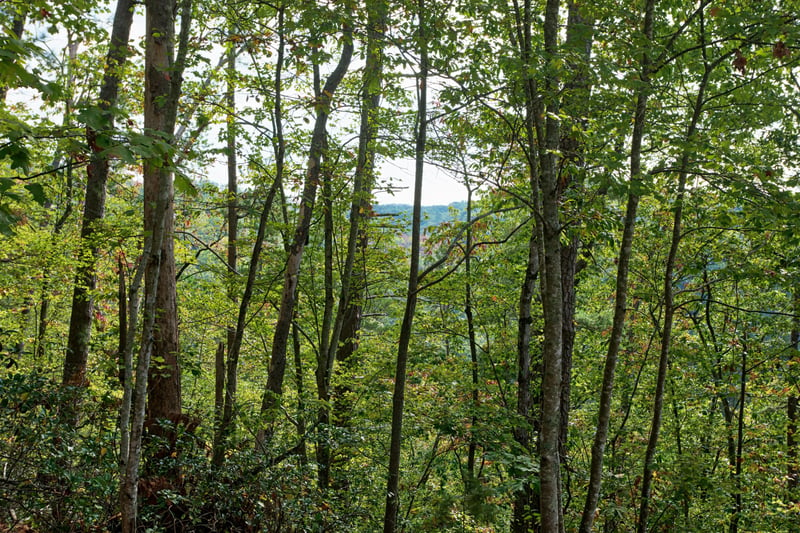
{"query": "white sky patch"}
{"type": "Point", "coordinates": [397, 175]}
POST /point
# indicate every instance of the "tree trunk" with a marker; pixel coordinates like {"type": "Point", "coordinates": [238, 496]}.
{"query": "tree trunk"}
{"type": "Point", "coordinates": [235, 343]}
{"type": "Point", "coordinates": [526, 508]}
{"type": "Point", "coordinates": [552, 304]}
{"type": "Point", "coordinates": [526, 501]}
{"type": "Point", "coordinates": [164, 378]}
{"type": "Point", "coordinates": [163, 78]}
{"type": "Point", "coordinates": [344, 337]}
{"type": "Point", "coordinates": [621, 293]}
{"type": "Point", "coordinates": [792, 470]}
{"type": "Point", "coordinates": [669, 307]}
{"type": "Point", "coordinates": [473, 345]}
{"type": "Point", "coordinates": [391, 514]}
{"type": "Point", "coordinates": [325, 352]}
{"type": "Point", "coordinates": [277, 364]}
{"type": "Point", "coordinates": [575, 102]}
{"type": "Point", "coordinates": [736, 515]}
{"type": "Point", "coordinates": [233, 225]}
{"type": "Point", "coordinates": [44, 305]}
{"type": "Point", "coordinates": [81, 315]}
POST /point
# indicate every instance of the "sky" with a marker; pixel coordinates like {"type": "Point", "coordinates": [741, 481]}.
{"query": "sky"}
{"type": "Point", "coordinates": [438, 186]}
{"type": "Point", "coordinates": [397, 175]}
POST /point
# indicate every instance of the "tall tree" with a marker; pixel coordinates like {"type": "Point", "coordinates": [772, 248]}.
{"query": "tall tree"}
{"type": "Point", "coordinates": [346, 325]}
{"type": "Point", "coordinates": [163, 79]}
{"type": "Point", "coordinates": [669, 291]}
{"type": "Point", "coordinates": [81, 315]}
{"type": "Point", "coordinates": [235, 340]}
{"type": "Point", "coordinates": [277, 363]}
{"type": "Point", "coordinates": [526, 500]}
{"type": "Point", "coordinates": [390, 517]}
{"type": "Point", "coordinates": [552, 303]}
{"type": "Point", "coordinates": [621, 293]}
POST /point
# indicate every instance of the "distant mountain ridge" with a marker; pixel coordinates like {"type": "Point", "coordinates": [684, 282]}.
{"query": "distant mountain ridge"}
{"type": "Point", "coordinates": [432, 215]}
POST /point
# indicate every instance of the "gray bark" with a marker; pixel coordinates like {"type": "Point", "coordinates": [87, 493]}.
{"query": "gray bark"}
{"type": "Point", "coordinates": [621, 294]}
{"type": "Point", "coordinates": [277, 365]}
{"type": "Point", "coordinates": [391, 514]}
{"type": "Point", "coordinates": [80, 325]}
{"type": "Point", "coordinates": [552, 305]}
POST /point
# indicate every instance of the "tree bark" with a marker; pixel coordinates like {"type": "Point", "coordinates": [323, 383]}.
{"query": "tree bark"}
{"type": "Point", "coordinates": [325, 350]}
{"type": "Point", "coordinates": [526, 501]}
{"type": "Point", "coordinates": [575, 102]}
{"type": "Point", "coordinates": [391, 514]}
{"type": "Point", "coordinates": [163, 78]}
{"type": "Point", "coordinates": [277, 365]}
{"type": "Point", "coordinates": [552, 304]}
{"type": "Point", "coordinates": [81, 315]}
{"type": "Point", "coordinates": [736, 515]}
{"type": "Point", "coordinates": [525, 507]}
{"type": "Point", "coordinates": [621, 293]}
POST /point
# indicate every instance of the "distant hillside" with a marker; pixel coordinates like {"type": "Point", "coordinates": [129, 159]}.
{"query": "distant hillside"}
{"type": "Point", "coordinates": [432, 215]}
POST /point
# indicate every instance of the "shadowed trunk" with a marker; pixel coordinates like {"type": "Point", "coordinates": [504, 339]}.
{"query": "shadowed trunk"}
{"type": "Point", "coordinates": [82, 310]}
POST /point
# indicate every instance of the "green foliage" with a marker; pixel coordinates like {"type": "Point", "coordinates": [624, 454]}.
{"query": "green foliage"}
{"type": "Point", "coordinates": [55, 477]}
{"type": "Point", "coordinates": [735, 279]}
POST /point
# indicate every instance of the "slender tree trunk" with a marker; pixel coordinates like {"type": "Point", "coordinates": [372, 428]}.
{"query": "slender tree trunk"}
{"type": "Point", "coordinates": [526, 508]}
{"type": "Point", "coordinates": [80, 325]}
{"type": "Point", "coordinates": [233, 225]}
{"type": "Point", "coordinates": [235, 344]}
{"type": "Point", "coordinates": [345, 325]}
{"type": "Point", "coordinates": [325, 352]}
{"type": "Point", "coordinates": [277, 364]}
{"type": "Point", "coordinates": [621, 293]}
{"type": "Point", "coordinates": [391, 514]}
{"type": "Point", "coordinates": [44, 305]}
{"type": "Point", "coordinates": [301, 403]}
{"type": "Point", "coordinates": [344, 340]}
{"type": "Point", "coordinates": [526, 499]}
{"type": "Point", "coordinates": [792, 470]}
{"type": "Point", "coordinates": [219, 382]}
{"type": "Point", "coordinates": [473, 345]}
{"type": "Point", "coordinates": [669, 307]}
{"type": "Point", "coordinates": [736, 515]}
{"type": "Point", "coordinates": [575, 103]}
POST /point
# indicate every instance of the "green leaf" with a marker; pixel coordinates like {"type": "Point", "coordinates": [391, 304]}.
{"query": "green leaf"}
{"type": "Point", "coordinates": [7, 220]}
{"type": "Point", "coordinates": [37, 191]}
{"type": "Point", "coordinates": [93, 117]}
{"type": "Point", "coordinates": [18, 154]}
{"type": "Point", "coordinates": [184, 185]}
{"type": "Point", "coordinates": [122, 153]}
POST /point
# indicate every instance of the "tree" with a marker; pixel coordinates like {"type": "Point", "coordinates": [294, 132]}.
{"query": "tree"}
{"type": "Point", "coordinates": [97, 137]}
{"type": "Point", "coordinates": [390, 517]}
{"type": "Point", "coordinates": [164, 73]}
{"type": "Point", "coordinates": [621, 294]}
{"type": "Point", "coordinates": [277, 365]}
